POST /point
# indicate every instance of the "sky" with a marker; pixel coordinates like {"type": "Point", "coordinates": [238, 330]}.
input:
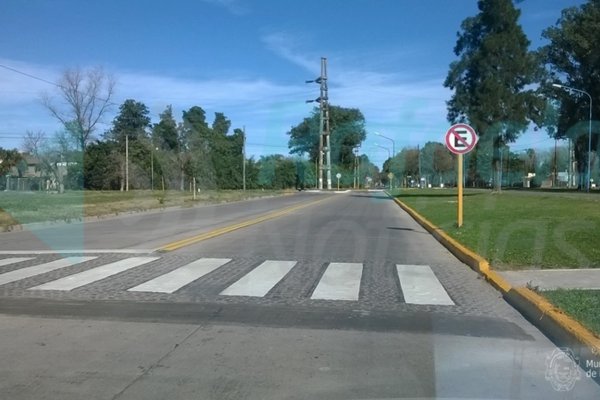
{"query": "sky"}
{"type": "Point", "coordinates": [249, 59]}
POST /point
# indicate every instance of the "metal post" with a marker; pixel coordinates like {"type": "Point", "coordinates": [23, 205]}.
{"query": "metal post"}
{"type": "Point", "coordinates": [152, 166]}
{"type": "Point", "coordinates": [459, 219]}
{"type": "Point", "coordinates": [244, 158]}
{"type": "Point", "coordinates": [127, 163]}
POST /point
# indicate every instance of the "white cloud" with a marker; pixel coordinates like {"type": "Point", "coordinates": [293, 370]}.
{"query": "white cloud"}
{"type": "Point", "coordinates": [286, 46]}
{"type": "Point", "coordinates": [411, 111]}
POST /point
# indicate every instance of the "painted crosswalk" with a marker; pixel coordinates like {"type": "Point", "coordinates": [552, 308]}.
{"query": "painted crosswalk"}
{"type": "Point", "coordinates": [341, 281]}
{"type": "Point", "coordinates": [28, 272]}
{"type": "Point", "coordinates": [260, 280]}
{"type": "Point", "coordinates": [175, 280]}
{"type": "Point", "coordinates": [224, 277]}
{"type": "Point", "coordinates": [95, 274]}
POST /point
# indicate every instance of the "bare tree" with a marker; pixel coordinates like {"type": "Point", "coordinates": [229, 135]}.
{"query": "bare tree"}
{"type": "Point", "coordinates": [33, 141]}
{"type": "Point", "coordinates": [85, 98]}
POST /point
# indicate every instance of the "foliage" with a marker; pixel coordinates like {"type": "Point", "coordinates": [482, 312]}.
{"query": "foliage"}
{"type": "Point", "coordinates": [9, 159]}
{"type": "Point", "coordinates": [492, 73]}
{"type": "Point", "coordinates": [347, 127]}
{"type": "Point", "coordinates": [572, 57]}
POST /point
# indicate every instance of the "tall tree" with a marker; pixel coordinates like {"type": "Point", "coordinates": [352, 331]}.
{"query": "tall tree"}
{"type": "Point", "coordinates": [490, 77]}
{"type": "Point", "coordinates": [85, 97]}
{"type": "Point", "coordinates": [347, 127]}
{"type": "Point", "coordinates": [196, 148]}
{"type": "Point", "coordinates": [132, 122]}
{"type": "Point", "coordinates": [164, 133]}
{"type": "Point", "coordinates": [572, 57]}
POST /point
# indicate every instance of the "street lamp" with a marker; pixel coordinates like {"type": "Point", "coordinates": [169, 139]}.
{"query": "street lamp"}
{"type": "Point", "coordinates": [389, 158]}
{"type": "Point", "coordinates": [556, 85]}
{"type": "Point", "coordinates": [152, 148]}
{"type": "Point", "coordinates": [391, 140]}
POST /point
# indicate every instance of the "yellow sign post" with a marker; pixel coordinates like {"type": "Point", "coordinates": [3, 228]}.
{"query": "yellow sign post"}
{"type": "Point", "coordinates": [459, 220]}
{"type": "Point", "coordinates": [460, 139]}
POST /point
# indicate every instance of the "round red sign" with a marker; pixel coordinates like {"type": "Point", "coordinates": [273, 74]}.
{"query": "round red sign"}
{"type": "Point", "coordinates": [461, 138]}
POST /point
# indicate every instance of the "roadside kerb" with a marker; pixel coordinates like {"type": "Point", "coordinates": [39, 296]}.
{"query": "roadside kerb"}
{"type": "Point", "coordinates": [230, 228]}
{"type": "Point", "coordinates": [555, 324]}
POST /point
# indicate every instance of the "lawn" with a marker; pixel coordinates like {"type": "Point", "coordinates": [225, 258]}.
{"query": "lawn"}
{"type": "Point", "coordinates": [518, 229]}
{"type": "Point", "coordinates": [28, 207]}
{"type": "Point", "coordinates": [579, 304]}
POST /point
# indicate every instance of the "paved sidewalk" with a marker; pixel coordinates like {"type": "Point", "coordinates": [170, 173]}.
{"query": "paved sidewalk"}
{"type": "Point", "coordinates": [550, 279]}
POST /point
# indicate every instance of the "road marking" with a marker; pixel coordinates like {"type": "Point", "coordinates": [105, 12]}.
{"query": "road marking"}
{"type": "Point", "coordinates": [178, 278]}
{"type": "Point", "coordinates": [421, 286]}
{"type": "Point", "coordinates": [221, 231]}
{"type": "Point", "coordinates": [260, 280]}
{"type": "Point", "coordinates": [70, 251]}
{"type": "Point", "coordinates": [95, 274]}
{"type": "Point", "coordinates": [341, 281]}
{"type": "Point", "coordinates": [13, 260]}
{"type": "Point", "coordinates": [28, 272]}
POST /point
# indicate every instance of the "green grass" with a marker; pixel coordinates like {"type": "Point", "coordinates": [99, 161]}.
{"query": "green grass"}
{"type": "Point", "coordinates": [582, 305]}
{"type": "Point", "coordinates": [29, 207]}
{"type": "Point", "coordinates": [518, 229]}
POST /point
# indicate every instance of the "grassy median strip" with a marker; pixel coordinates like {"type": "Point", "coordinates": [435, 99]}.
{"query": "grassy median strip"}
{"type": "Point", "coordinates": [518, 229]}
{"type": "Point", "coordinates": [28, 207]}
{"type": "Point", "coordinates": [582, 305]}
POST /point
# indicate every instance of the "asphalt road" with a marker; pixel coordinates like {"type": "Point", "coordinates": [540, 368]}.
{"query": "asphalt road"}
{"type": "Point", "coordinates": [347, 298]}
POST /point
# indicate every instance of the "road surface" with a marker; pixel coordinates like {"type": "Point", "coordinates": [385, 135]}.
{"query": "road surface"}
{"type": "Point", "coordinates": [338, 296]}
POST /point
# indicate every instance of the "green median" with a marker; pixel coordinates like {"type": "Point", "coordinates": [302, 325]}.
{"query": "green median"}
{"type": "Point", "coordinates": [579, 304]}
{"type": "Point", "coordinates": [518, 229]}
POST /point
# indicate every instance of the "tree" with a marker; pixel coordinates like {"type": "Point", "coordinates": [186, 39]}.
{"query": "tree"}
{"type": "Point", "coordinates": [490, 77]}
{"type": "Point", "coordinates": [164, 133]}
{"type": "Point", "coordinates": [8, 160]}
{"type": "Point", "coordinates": [132, 122]}
{"type": "Point", "coordinates": [347, 127]}
{"type": "Point", "coordinates": [86, 97]}
{"type": "Point", "coordinates": [571, 56]}
{"type": "Point", "coordinates": [101, 169]}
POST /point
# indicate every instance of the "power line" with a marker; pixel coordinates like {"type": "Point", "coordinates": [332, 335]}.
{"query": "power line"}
{"type": "Point", "coordinates": [29, 75]}
{"type": "Point", "coordinates": [58, 85]}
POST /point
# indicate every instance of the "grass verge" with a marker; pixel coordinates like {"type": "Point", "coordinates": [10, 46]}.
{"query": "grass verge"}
{"type": "Point", "coordinates": [582, 305]}
{"type": "Point", "coordinates": [29, 207]}
{"type": "Point", "coordinates": [518, 229]}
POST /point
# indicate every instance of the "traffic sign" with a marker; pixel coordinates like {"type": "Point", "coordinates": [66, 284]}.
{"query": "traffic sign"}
{"type": "Point", "coordinates": [461, 139]}
{"type": "Point", "coordinates": [338, 175]}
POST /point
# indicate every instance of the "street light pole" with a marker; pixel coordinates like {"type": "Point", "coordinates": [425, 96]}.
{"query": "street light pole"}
{"type": "Point", "coordinates": [391, 140]}
{"type": "Point", "coordinates": [589, 160]}
{"type": "Point", "coordinates": [389, 158]}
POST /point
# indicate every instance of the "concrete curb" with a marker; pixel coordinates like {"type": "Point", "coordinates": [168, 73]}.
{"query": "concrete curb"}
{"type": "Point", "coordinates": [556, 325]}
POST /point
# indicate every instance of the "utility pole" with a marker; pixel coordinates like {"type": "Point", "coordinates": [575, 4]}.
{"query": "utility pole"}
{"type": "Point", "coordinates": [324, 133]}
{"type": "Point", "coordinates": [244, 158]}
{"type": "Point", "coordinates": [127, 163]}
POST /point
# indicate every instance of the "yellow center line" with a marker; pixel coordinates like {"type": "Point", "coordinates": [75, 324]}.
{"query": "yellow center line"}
{"type": "Point", "coordinates": [226, 229]}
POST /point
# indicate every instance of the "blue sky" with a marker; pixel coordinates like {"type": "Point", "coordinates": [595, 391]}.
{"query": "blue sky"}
{"type": "Point", "coordinates": [249, 59]}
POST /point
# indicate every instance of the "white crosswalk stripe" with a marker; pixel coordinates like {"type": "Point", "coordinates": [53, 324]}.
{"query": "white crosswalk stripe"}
{"type": "Point", "coordinates": [95, 274]}
{"type": "Point", "coordinates": [176, 279]}
{"type": "Point", "coordinates": [421, 286]}
{"type": "Point", "coordinates": [28, 272]}
{"type": "Point", "coordinates": [13, 260]}
{"type": "Point", "coordinates": [260, 280]}
{"type": "Point", "coordinates": [341, 281]}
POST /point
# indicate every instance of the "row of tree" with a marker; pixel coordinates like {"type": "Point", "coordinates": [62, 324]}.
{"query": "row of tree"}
{"type": "Point", "coordinates": [501, 86]}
